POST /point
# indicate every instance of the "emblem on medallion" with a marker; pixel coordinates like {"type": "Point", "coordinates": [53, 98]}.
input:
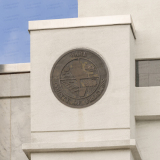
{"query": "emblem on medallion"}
{"type": "Point", "coordinates": [79, 78]}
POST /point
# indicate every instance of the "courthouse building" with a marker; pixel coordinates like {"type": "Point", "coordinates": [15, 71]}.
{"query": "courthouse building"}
{"type": "Point", "coordinates": [92, 89]}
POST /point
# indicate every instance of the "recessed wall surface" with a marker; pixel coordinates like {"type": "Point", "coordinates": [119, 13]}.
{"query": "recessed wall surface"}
{"type": "Point", "coordinates": [145, 15]}
{"type": "Point", "coordinates": [112, 110]}
{"type": "Point", "coordinates": [148, 139]}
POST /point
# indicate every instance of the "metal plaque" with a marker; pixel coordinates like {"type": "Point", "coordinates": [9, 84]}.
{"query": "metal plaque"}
{"type": "Point", "coordinates": [79, 78]}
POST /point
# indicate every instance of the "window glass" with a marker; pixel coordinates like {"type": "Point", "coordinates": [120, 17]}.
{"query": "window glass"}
{"type": "Point", "coordinates": [148, 73]}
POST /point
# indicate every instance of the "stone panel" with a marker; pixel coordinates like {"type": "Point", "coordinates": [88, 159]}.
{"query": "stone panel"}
{"type": "Point", "coordinates": [4, 129]}
{"type": "Point", "coordinates": [5, 85]}
{"type": "Point", "coordinates": [20, 84]}
{"type": "Point", "coordinates": [20, 126]}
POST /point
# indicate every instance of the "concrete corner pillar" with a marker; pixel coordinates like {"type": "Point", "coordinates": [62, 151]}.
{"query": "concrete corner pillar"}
{"type": "Point", "coordinates": [101, 129]}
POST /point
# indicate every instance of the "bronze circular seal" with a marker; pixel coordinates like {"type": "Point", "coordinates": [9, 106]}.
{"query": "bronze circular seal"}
{"type": "Point", "coordinates": [79, 78]}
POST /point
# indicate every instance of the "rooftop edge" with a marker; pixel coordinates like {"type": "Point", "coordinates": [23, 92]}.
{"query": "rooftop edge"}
{"type": "Point", "coordinates": [82, 22]}
{"type": "Point", "coordinates": [14, 68]}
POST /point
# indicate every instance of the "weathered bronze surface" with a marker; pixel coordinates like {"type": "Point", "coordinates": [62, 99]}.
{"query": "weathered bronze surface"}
{"type": "Point", "coordinates": [79, 78]}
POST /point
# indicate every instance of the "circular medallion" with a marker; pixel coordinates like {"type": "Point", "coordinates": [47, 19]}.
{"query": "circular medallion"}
{"type": "Point", "coordinates": [79, 78]}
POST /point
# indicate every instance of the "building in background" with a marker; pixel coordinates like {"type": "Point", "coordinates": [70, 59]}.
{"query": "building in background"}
{"type": "Point", "coordinates": [123, 123]}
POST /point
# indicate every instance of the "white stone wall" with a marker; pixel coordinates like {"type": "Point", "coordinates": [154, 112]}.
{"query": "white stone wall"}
{"type": "Point", "coordinates": [50, 118]}
{"type": "Point", "coordinates": [14, 115]}
{"type": "Point", "coordinates": [109, 120]}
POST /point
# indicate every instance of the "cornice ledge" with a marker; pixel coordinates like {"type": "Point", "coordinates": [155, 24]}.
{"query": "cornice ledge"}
{"type": "Point", "coordinates": [82, 22]}
{"type": "Point", "coordinates": [131, 144]}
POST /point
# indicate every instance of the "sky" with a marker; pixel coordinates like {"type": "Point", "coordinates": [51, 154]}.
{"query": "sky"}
{"type": "Point", "coordinates": [15, 14]}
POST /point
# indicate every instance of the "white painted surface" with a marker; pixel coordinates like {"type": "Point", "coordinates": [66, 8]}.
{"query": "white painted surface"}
{"type": "Point", "coordinates": [145, 15]}
{"type": "Point", "coordinates": [147, 101]}
{"type": "Point", "coordinates": [80, 136]}
{"type": "Point", "coordinates": [148, 137]}
{"type": "Point", "coordinates": [97, 155]}
{"type": "Point", "coordinates": [5, 129]}
{"type": "Point", "coordinates": [112, 110]}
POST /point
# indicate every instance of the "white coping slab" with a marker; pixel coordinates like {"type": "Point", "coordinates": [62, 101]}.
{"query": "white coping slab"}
{"type": "Point", "coordinates": [82, 22]}
{"type": "Point", "coordinates": [14, 68]}
{"type": "Point", "coordinates": [29, 148]}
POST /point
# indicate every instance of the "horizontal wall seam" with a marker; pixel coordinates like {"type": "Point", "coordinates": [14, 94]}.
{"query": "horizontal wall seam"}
{"type": "Point", "coordinates": [9, 97]}
{"type": "Point", "coordinates": [80, 130]}
{"type": "Point", "coordinates": [147, 117]}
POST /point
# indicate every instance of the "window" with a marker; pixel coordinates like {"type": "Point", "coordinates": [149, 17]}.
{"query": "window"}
{"type": "Point", "coordinates": [147, 73]}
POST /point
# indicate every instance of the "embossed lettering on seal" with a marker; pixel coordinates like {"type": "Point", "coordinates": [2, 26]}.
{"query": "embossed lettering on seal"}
{"type": "Point", "coordinates": [79, 78]}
